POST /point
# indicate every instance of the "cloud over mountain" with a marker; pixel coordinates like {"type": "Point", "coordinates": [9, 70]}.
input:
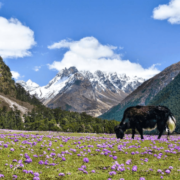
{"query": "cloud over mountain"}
{"type": "Point", "coordinates": [15, 38]}
{"type": "Point", "coordinates": [89, 54]}
{"type": "Point", "coordinates": [171, 12]}
{"type": "Point", "coordinates": [15, 75]}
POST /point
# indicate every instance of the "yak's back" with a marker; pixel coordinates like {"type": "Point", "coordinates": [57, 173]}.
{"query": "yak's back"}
{"type": "Point", "coordinates": [144, 110]}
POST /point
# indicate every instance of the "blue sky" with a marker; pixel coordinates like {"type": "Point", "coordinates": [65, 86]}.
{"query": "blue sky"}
{"type": "Point", "coordinates": [38, 38]}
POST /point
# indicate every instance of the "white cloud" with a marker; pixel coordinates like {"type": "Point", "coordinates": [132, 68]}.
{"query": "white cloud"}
{"type": "Point", "coordinates": [15, 38]}
{"type": "Point", "coordinates": [61, 44]}
{"type": "Point", "coordinates": [171, 12]}
{"type": "Point", "coordinates": [36, 68]}
{"type": "Point", "coordinates": [15, 74]}
{"type": "Point", "coordinates": [89, 54]}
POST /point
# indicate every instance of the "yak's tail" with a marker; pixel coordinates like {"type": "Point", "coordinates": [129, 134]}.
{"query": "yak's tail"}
{"type": "Point", "coordinates": [171, 123]}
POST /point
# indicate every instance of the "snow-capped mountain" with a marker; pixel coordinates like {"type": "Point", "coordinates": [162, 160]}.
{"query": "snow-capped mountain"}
{"type": "Point", "coordinates": [29, 85]}
{"type": "Point", "coordinates": [83, 91]}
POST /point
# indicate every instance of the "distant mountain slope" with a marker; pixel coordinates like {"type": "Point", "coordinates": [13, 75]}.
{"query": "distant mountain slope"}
{"type": "Point", "coordinates": [170, 97]}
{"type": "Point", "coordinates": [83, 91]}
{"type": "Point", "coordinates": [144, 93]}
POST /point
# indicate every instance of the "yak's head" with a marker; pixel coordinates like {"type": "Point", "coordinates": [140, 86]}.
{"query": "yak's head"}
{"type": "Point", "coordinates": [119, 132]}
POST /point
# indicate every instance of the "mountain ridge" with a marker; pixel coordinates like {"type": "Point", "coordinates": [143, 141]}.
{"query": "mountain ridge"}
{"type": "Point", "coordinates": [105, 90]}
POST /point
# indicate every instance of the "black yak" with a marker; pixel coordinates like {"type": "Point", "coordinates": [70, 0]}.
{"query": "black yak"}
{"type": "Point", "coordinates": [146, 117]}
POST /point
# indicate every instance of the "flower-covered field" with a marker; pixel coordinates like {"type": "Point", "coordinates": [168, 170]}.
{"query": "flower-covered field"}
{"type": "Point", "coordinates": [48, 155]}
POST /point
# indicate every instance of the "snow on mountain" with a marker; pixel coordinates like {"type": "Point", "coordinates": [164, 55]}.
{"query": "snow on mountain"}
{"type": "Point", "coordinates": [105, 88]}
{"type": "Point", "coordinates": [29, 85]}
{"type": "Point", "coordinates": [52, 88]}
{"type": "Point", "coordinates": [113, 81]}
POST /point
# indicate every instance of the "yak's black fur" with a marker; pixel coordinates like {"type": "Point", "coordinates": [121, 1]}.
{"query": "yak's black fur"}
{"type": "Point", "coordinates": [144, 117]}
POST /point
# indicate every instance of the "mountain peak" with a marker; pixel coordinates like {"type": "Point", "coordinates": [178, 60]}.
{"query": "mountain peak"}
{"type": "Point", "coordinates": [73, 69]}
{"type": "Point", "coordinates": [99, 73]}
{"type": "Point", "coordinates": [31, 84]}
{"type": "Point", "coordinates": [29, 81]}
{"type": "Point", "coordinates": [66, 72]}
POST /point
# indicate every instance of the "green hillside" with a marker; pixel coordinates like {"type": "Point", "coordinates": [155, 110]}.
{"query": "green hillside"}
{"type": "Point", "coordinates": [7, 85]}
{"type": "Point", "coordinates": [116, 113]}
{"type": "Point", "coordinates": [170, 97]}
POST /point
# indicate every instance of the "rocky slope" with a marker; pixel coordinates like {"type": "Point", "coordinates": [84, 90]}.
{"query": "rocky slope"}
{"type": "Point", "coordinates": [144, 93]}
{"type": "Point", "coordinates": [83, 91]}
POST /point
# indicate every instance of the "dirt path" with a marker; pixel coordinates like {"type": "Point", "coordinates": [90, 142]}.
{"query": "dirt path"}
{"type": "Point", "coordinates": [11, 103]}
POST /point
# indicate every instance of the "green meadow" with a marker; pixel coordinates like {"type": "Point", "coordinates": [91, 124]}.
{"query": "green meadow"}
{"type": "Point", "coordinates": [79, 156]}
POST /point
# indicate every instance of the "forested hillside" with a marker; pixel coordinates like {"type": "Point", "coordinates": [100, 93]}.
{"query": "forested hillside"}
{"type": "Point", "coordinates": [43, 118]}
{"type": "Point", "coordinates": [40, 117]}
{"type": "Point", "coordinates": [170, 97]}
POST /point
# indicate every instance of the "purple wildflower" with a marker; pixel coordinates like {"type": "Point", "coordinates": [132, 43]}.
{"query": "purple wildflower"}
{"type": "Point", "coordinates": [80, 169]}
{"type": "Point", "coordinates": [29, 160]}
{"type": "Point", "coordinates": [112, 173]}
{"type": "Point", "coordinates": [36, 174]}
{"type": "Point", "coordinates": [15, 176]}
{"type": "Point", "coordinates": [46, 162]}
{"type": "Point", "coordinates": [61, 174]}
{"type": "Point", "coordinates": [134, 168]}
{"type": "Point", "coordinates": [53, 154]}
{"type": "Point", "coordinates": [30, 172]}
{"type": "Point", "coordinates": [115, 157]}
{"type": "Point", "coordinates": [83, 166]}
{"type": "Point", "coordinates": [5, 145]}
{"type": "Point", "coordinates": [86, 160]}
{"type": "Point", "coordinates": [159, 171]}
{"type": "Point", "coordinates": [167, 171]}
{"type": "Point", "coordinates": [36, 178]}
{"type": "Point", "coordinates": [25, 171]}
{"type": "Point", "coordinates": [142, 178]}
{"type": "Point", "coordinates": [1, 175]}
{"type": "Point", "coordinates": [85, 172]}
{"type": "Point", "coordinates": [41, 162]}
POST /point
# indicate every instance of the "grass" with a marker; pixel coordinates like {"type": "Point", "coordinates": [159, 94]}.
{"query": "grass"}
{"type": "Point", "coordinates": [148, 155]}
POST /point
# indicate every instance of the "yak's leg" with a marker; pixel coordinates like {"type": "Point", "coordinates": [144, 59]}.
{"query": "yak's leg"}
{"type": "Point", "coordinates": [160, 133]}
{"type": "Point", "coordinates": [140, 130]}
{"type": "Point", "coordinates": [168, 134]}
{"type": "Point", "coordinates": [133, 132]}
